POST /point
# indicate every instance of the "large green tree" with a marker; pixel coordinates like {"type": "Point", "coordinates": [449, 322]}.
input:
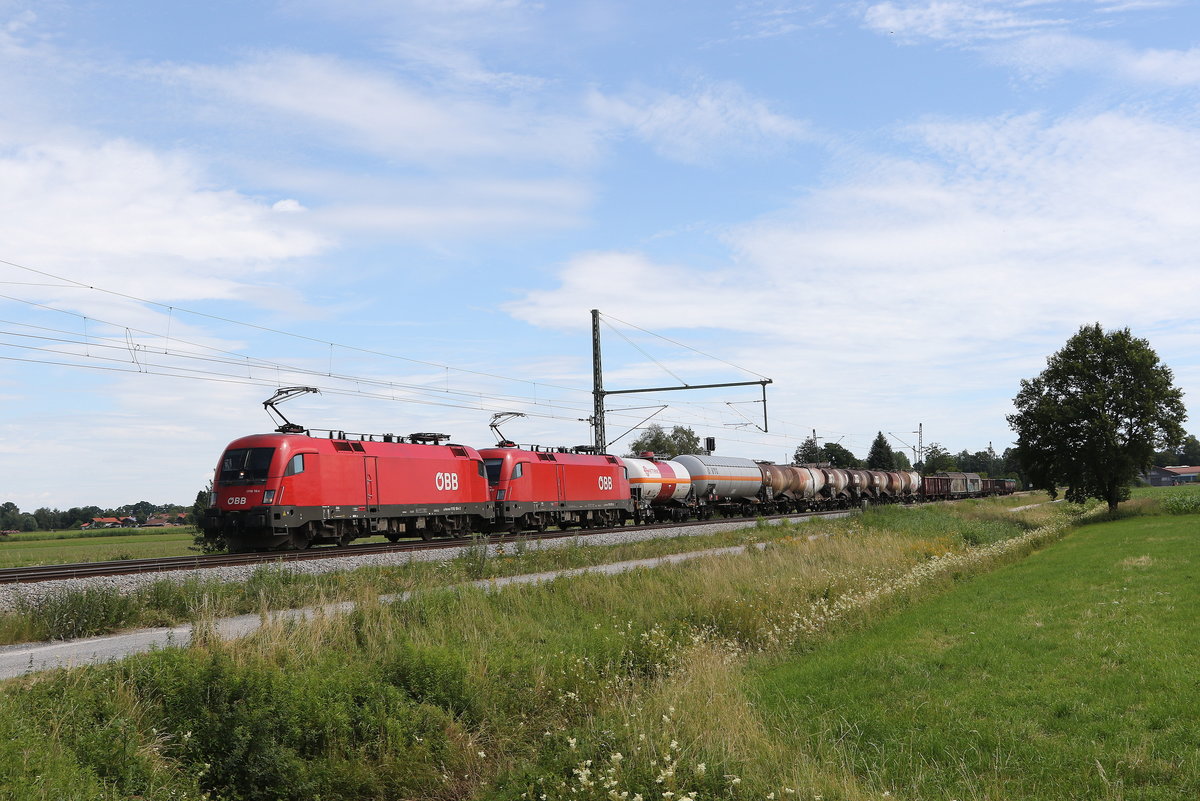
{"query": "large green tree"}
{"type": "Point", "coordinates": [938, 460]}
{"type": "Point", "coordinates": [809, 452]}
{"type": "Point", "coordinates": [1094, 418]}
{"type": "Point", "coordinates": [840, 456]}
{"type": "Point", "coordinates": [655, 439]}
{"type": "Point", "coordinates": [881, 456]}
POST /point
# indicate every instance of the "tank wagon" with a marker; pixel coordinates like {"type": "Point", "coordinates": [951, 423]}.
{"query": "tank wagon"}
{"type": "Point", "coordinates": [290, 490]}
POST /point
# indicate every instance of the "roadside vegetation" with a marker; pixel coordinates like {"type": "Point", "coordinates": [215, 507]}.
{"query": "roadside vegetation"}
{"type": "Point", "coordinates": [673, 683]}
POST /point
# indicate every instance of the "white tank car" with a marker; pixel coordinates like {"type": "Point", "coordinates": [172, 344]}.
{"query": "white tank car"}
{"type": "Point", "coordinates": [725, 476]}
{"type": "Point", "coordinates": [813, 482]}
{"type": "Point", "coordinates": [660, 481]}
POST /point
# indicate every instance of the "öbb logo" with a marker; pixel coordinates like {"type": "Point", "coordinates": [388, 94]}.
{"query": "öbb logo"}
{"type": "Point", "coordinates": [606, 482]}
{"type": "Point", "coordinates": [446, 481]}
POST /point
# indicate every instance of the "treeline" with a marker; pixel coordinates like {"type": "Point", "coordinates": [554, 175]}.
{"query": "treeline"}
{"type": "Point", "coordinates": [45, 519]}
{"type": "Point", "coordinates": [936, 459]}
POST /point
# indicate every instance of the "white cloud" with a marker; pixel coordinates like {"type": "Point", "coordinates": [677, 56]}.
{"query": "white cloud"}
{"type": "Point", "coordinates": [957, 21]}
{"type": "Point", "coordinates": [709, 123]}
{"type": "Point", "coordinates": [119, 208]}
{"type": "Point", "coordinates": [1014, 33]}
{"type": "Point", "coordinates": [916, 281]}
{"type": "Point", "coordinates": [385, 114]}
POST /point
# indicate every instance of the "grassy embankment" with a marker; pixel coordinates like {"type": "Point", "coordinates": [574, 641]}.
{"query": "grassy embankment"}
{"type": "Point", "coordinates": [730, 678]}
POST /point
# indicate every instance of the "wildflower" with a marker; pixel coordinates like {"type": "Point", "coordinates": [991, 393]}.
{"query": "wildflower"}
{"type": "Point", "coordinates": [571, 742]}
{"type": "Point", "coordinates": [617, 757]}
{"type": "Point", "coordinates": [700, 768]}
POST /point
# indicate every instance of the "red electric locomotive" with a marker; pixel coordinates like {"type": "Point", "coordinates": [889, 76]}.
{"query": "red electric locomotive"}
{"type": "Point", "coordinates": [536, 488]}
{"type": "Point", "coordinates": [292, 490]}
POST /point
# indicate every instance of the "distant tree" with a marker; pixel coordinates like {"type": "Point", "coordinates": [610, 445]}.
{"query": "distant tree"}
{"type": "Point", "coordinates": [658, 441]}
{"type": "Point", "coordinates": [1094, 417]}
{"type": "Point", "coordinates": [938, 460]}
{"type": "Point", "coordinates": [48, 519]}
{"type": "Point", "coordinates": [839, 456]}
{"type": "Point", "coordinates": [808, 452]}
{"type": "Point", "coordinates": [1011, 467]}
{"type": "Point", "coordinates": [881, 456]}
{"type": "Point", "coordinates": [902, 462]}
{"type": "Point", "coordinates": [141, 510]}
{"type": "Point", "coordinates": [1188, 453]}
{"type": "Point", "coordinates": [203, 498]}
{"type": "Point", "coordinates": [10, 516]}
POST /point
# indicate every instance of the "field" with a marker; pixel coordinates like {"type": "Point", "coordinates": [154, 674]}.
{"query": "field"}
{"type": "Point", "coordinates": [1068, 675]}
{"type": "Point", "coordinates": [783, 673]}
{"type": "Point", "coordinates": [69, 547]}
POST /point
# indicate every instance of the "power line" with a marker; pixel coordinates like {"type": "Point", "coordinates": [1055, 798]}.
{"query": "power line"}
{"type": "Point", "coordinates": [79, 284]}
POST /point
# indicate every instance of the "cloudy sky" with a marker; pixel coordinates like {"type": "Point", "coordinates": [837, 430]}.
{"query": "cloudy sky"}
{"type": "Point", "coordinates": [894, 210]}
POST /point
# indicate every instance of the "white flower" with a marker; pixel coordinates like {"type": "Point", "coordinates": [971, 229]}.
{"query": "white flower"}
{"type": "Point", "coordinates": [571, 742]}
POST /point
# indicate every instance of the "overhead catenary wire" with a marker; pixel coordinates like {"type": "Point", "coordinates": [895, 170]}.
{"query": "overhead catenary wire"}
{"type": "Point", "coordinates": [169, 344]}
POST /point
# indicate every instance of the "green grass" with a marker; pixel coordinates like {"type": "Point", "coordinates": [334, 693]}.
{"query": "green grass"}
{"type": "Point", "coordinates": [575, 689]}
{"type": "Point", "coordinates": [1070, 675]}
{"type": "Point", "coordinates": [52, 548]}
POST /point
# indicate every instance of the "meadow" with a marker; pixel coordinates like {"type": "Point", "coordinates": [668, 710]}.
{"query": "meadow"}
{"type": "Point", "coordinates": [102, 545]}
{"type": "Point", "coordinates": [677, 683]}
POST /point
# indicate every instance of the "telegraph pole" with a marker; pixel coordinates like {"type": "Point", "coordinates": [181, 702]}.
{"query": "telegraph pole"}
{"type": "Point", "coordinates": [600, 439]}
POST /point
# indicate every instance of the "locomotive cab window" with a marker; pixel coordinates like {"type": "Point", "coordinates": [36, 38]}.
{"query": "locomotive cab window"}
{"type": "Point", "coordinates": [245, 466]}
{"type": "Point", "coordinates": [492, 466]}
{"type": "Point", "coordinates": [296, 465]}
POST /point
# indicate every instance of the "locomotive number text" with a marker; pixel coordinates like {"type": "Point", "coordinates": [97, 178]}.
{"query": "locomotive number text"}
{"type": "Point", "coordinates": [446, 481]}
{"type": "Point", "coordinates": [606, 482]}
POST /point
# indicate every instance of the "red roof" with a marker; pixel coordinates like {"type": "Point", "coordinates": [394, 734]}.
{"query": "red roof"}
{"type": "Point", "coordinates": [1183, 470]}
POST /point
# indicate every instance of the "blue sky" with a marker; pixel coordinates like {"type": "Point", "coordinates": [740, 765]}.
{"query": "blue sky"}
{"type": "Point", "coordinates": [895, 210]}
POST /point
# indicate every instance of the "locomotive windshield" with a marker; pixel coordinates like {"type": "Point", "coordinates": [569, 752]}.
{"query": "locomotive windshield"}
{"type": "Point", "coordinates": [245, 466]}
{"type": "Point", "coordinates": [493, 469]}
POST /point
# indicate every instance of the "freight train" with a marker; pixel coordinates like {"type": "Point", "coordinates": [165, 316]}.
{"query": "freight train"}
{"type": "Point", "coordinates": [290, 490]}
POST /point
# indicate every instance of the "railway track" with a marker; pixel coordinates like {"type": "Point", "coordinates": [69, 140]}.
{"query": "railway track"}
{"type": "Point", "coordinates": [124, 567]}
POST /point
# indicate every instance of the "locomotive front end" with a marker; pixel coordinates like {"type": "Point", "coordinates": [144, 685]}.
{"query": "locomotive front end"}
{"type": "Point", "coordinates": [245, 488]}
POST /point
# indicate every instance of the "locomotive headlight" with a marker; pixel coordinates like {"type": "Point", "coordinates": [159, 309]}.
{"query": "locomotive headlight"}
{"type": "Point", "coordinates": [269, 496]}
